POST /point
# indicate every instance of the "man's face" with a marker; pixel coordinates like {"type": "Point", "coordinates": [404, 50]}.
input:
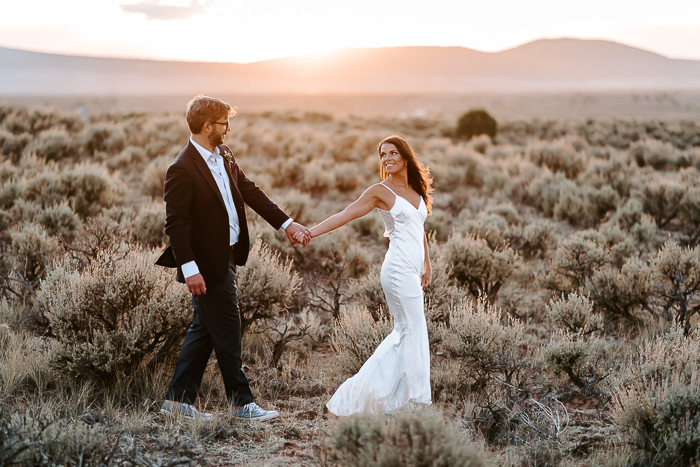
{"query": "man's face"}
{"type": "Point", "coordinates": [219, 129]}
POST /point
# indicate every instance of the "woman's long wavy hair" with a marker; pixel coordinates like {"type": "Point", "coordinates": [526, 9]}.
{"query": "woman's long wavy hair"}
{"type": "Point", "coordinates": [418, 174]}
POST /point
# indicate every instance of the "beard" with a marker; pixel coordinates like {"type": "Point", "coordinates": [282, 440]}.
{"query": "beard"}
{"type": "Point", "coordinates": [216, 139]}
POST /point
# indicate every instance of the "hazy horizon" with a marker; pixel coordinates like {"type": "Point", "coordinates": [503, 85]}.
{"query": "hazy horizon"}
{"type": "Point", "coordinates": [251, 32]}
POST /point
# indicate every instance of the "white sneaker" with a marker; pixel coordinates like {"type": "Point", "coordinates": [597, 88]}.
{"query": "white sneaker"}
{"type": "Point", "coordinates": [253, 411]}
{"type": "Point", "coordinates": [186, 410]}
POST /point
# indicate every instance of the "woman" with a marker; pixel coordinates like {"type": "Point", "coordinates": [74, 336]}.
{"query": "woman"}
{"type": "Point", "coordinates": [398, 372]}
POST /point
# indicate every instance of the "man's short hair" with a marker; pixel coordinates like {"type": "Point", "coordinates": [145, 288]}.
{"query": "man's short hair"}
{"type": "Point", "coordinates": [203, 109]}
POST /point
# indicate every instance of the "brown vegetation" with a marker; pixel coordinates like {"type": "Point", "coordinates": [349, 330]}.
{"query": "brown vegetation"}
{"type": "Point", "coordinates": [563, 314]}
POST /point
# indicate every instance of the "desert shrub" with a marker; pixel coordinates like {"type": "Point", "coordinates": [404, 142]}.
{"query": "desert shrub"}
{"type": "Point", "coordinates": [574, 314]}
{"type": "Point", "coordinates": [409, 438]}
{"type": "Point", "coordinates": [490, 227]}
{"type": "Point", "coordinates": [367, 293]}
{"type": "Point", "coordinates": [560, 155]}
{"type": "Point", "coordinates": [547, 190]}
{"type": "Point", "coordinates": [690, 215]}
{"type": "Point", "coordinates": [442, 294]}
{"type": "Point", "coordinates": [12, 145]}
{"type": "Point", "coordinates": [25, 263]}
{"type": "Point", "coordinates": [61, 220]}
{"type": "Point", "coordinates": [102, 137]}
{"type": "Point", "coordinates": [476, 122]}
{"type": "Point", "coordinates": [153, 181]}
{"type": "Point", "coordinates": [533, 240]}
{"type": "Point", "coordinates": [619, 292]}
{"type": "Point", "coordinates": [317, 179]}
{"type": "Point", "coordinates": [478, 267]}
{"type": "Point", "coordinates": [356, 336]}
{"type": "Point", "coordinates": [657, 154]}
{"type": "Point", "coordinates": [677, 287]}
{"type": "Point", "coordinates": [345, 177]}
{"type": "Point", "coordinates": [114, 316]}
{"type": "Point", "coordinates": [87, 187]}
{"type": "Point", "coordinates": [266, 285]}
{"type": "Point", "coordinates": [567, 354]}
{"type": "Point", "coordinates": [575, 259]}
{"type": "Point", "coordinates": [11, 191]}
{"type": "Point", "coordinates": [99, 234]}
{"type": "Point", "coordinates": [484, 346]}
{"type": "Point", "coordinates": [657, 405]}
{"type": "Point", "coordinates": [149, 225]}
{"type": "Point", "coordinates": [662, 200]}
{"type": "Point", "coordinates": [129, 159]}
{"type": "Point", "coordinates": [56, 145]}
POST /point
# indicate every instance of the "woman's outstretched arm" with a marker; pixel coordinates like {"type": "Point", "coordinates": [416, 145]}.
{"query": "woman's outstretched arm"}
{"type": "Point", "coordinates": [372, 197]}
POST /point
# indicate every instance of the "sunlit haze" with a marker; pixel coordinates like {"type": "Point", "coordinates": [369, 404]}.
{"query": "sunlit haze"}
{"type": "Point", "coordinates": [245, 31]}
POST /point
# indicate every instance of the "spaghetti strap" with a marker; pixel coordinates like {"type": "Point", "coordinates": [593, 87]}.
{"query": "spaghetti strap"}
{"type": "Point", "coordinates": [382, 184]}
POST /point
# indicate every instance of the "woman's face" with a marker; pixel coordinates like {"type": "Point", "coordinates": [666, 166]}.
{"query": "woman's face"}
{"type": "Point", "coordinates": [391, 159]}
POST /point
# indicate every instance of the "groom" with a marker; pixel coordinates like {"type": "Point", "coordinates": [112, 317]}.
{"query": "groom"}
{"type": "Point", "coordinates": [205, 193]}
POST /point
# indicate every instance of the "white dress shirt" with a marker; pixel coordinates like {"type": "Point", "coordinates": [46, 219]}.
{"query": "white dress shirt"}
{"type": "Point", "coordinates": [215, 162]}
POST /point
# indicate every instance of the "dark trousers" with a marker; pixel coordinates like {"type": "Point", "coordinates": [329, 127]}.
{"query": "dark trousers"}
{"type": "Point", "coordinates": [216, 325]}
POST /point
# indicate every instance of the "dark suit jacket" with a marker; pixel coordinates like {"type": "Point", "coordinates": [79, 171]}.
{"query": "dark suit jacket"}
{"type": "Point", "coordinates": [196, 218]}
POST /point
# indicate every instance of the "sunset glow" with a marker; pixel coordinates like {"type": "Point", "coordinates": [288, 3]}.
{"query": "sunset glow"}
{"type": "Point", "coordinates": [229, 31]}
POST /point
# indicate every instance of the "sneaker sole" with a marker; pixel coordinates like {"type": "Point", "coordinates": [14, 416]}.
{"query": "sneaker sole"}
{"type": "Point", "coordinates": [175, 414]}
{"type": "Point", "coordinates": [259, 419]}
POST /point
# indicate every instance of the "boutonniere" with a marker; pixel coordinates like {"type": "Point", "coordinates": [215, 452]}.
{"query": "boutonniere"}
{"type": "Point", "coordinates": [228, 156]}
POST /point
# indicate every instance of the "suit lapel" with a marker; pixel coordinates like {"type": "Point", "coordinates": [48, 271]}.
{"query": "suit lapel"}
{"type": "Point", "coordinates": [205, 171]}
{"type": "Point", "coordinates": [237, 198]}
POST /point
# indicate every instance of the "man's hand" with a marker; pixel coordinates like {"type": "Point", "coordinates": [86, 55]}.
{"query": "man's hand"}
{"type": "Point", "coordinates": [297, 233]}
{"type": "Point", "coordinates": [195, 284]}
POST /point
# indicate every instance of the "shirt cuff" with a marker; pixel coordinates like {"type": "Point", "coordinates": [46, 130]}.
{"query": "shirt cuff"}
{"type": "Point", "coordinates": [189, 269]}
{"type": "Point", "coordinates": [286, 224]}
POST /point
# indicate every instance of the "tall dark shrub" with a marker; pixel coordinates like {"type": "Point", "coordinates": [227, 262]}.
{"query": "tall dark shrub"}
{"type": "Point", "coordinates": [476, 122]}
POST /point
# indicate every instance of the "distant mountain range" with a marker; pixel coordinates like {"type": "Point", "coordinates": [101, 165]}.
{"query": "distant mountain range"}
{"type": "Point", "coordinates": [557, 65]}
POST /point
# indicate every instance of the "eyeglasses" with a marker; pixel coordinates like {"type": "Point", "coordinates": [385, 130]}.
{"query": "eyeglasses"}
{"type": "Point", "coordinates": [226, 124]}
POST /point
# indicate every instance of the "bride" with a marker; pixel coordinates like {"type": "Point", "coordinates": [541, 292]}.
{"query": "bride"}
{"type": "Point", "coordinates": [398, 372]}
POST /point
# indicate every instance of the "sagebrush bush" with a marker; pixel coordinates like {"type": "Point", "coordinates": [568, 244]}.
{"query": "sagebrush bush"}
{"type": "Point", "coordinates": [483, 345]}
{"type": "Point", "coordinates": [113, 316]}
{"type": "Point", "coordinates": [31, 251]}
{"type": "Point", "coordinates": [621, 292]}
{"type": "Point", "coordinates": [87, 187]}
{"type": "Point", "coordinates": [575, 260]}
{"type": "Point", "coordinates": [61, 220]}
{"type": "Point", "coordinates": [410, 438]}
{"type": "Point", "coordinates": [149, 225]}
{"type": "Point", "coordinates": [567, 354]}
{"type": "Point", "coordinates": [478, 267]}
{"type": "Point", "coordinates": [367, 292]}
{"type": "Point", "coordinates": [154, 176]}
{"type": "Point", "coordinates": [677, 271]}
{"type": "Point", "coordinates": [53, 145]}
{"type": "Point", "coordinates": [657, 406]}
{"type": "Point", "coordinates": [575, 315]}
{"type": "Point", "coordinates": [266, 285]}
{"type": "Point", "coordinates": [560, 155]}
{"type": "Point", "coordinates": [356, 335]}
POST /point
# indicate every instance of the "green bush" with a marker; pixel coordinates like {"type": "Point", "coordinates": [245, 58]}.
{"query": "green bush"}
{"type": "Point", "coordinates": [61, 220]}
{"type": "Point", "coordinates": [114, 316]}
{"type": "Point", "coordinates": [575, 260]}
{"type": "Point", "coordinates": [154, 177]}
{"type": "Point", "coordinates": [410, 438]}
{"type": "Point", "coordinates": [566, 354]}
{"type": "Point", "coordinates": [476, 122]}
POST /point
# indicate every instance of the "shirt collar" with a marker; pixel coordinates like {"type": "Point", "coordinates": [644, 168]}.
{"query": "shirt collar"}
{"type": "Point", "coordinates": [205, 153]}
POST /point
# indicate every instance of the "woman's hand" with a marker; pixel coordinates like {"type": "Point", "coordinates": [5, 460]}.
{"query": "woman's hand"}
{"type": "Point", "coordinates": [425, 278]}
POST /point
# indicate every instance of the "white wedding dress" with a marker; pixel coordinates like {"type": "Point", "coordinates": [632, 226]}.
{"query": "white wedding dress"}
{"type": "Point", "coordinates": [398, 372]}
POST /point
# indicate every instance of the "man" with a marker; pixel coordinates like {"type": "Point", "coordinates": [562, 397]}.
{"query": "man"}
{"type": "Point", "coordinates": [205, 193]}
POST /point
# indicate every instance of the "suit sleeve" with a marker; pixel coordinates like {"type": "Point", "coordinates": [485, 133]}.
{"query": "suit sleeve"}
{"type": "Point", "coordinates": [254, 197]}
{"type": "Point", "coordinates": [178, 194]}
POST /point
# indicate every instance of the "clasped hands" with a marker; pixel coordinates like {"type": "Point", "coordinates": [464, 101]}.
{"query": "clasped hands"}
{"type": "Point", "coordinates": [298, 234]}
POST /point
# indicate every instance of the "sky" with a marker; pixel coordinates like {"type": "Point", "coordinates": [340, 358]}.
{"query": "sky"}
{"type": "Point", "coordinates": [253, 30]}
